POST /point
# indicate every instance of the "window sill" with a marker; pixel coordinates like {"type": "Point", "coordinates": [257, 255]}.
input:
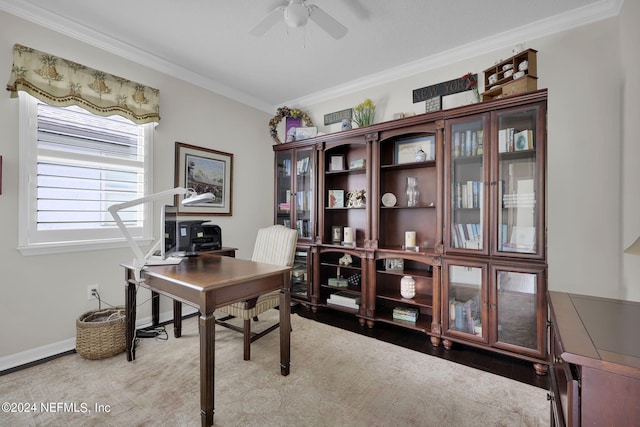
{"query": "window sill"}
{"type": "Point", "coordinates": [67, 247]}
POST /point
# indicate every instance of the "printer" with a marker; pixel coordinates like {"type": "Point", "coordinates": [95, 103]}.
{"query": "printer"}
{"type": "Point", "coordinates": [197, 236]}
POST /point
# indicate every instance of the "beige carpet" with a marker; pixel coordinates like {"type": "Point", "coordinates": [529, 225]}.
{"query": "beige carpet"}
{"type": "Point", "coordinates": [337, 378]}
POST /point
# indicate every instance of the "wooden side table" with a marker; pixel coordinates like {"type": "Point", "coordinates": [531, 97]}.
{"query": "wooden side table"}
{"type": "Point", "coordinates": [595, 370]}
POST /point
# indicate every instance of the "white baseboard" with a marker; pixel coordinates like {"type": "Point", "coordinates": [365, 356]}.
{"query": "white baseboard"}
{"type": "Point", "coordinates": [33, 355]}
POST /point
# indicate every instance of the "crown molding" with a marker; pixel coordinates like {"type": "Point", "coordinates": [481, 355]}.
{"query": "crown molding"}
{"type": "Point", "coordinates": [117, 47]}
{"type": "Point", "coordinates": [595, 12]}
{"type": "Point", "coordinates": [556, 24]}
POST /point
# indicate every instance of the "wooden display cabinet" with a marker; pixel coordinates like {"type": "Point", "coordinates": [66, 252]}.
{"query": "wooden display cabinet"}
{"type": "Point", "coordinates": [344, 181]}
{"type": "Point", "coordinates": [495, 185]}
{"type": "Point", "coordinates": [496, 305]}
{"type": "Point", "coordinates": [339, 271]}
{"type": "Point", "coordinates": [390, 267]}
{"type": "Point", "coordinates": [479, 222]}
{"type": "Point", "coordinates": [505, 84]}
{"type": "Point", "coordinates": [396, 162]}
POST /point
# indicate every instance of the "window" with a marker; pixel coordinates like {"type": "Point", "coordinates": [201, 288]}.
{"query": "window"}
{"type": "Point", "coordinates": [73, 166]}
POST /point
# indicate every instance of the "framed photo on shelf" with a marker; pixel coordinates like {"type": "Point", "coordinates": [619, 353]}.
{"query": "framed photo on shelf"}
{"type": "Point", "coordinates": [394, 264]}
{"type": "Point", "coordinates": [336, 163]}
{"type": "Point", "coordinates": [204, 170]}
{"type": "Point", "coordinates": [335, 199]}
{"type": "Point", "coordinates": [406, 149]}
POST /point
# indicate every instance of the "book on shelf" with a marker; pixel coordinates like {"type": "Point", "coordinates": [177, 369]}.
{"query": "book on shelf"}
{"type": "Point", "coordinates": [468, 194]}
{"type": "Point", "coordinates": [521, 239]}
{"type": "Point", "coordinates": [523, 140]}
{"type": "Point", "coordinates": [344, 299]}
{"type": "Point", "coordinates": [468, 143]}
{"type": "Point", "coordinates": [406, 313]}
{"type": "Point", "coordinates": [510, 140]}
{"type": "Point", "coordinates": [461, 316]}
{"type": "Point", "coordinates": [467, 236]}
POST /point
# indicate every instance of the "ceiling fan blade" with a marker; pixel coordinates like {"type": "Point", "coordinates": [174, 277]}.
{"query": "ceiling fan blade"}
{"type": "Point", "coordinates": [326, 22]}
{"type": "Point", "coordinates": [268, 21]}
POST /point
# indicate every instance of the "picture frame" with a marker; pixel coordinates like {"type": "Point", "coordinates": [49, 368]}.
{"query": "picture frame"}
{"type": "Point", "coordinates": [335, 199]}
{"type": "Point", "coordinates": [406, 149]}
{"type": "Point", "coordinates": [336, 233]}
{"type": "Point", "coordinates": [204, 170]}
{"type": "Point", "coordinates": [394, 264]}
{"type": "Point", "coordinates": [336, 163]}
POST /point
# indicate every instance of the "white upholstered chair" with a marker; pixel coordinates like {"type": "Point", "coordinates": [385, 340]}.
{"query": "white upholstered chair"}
{"type": "Point", "coordinates": [274, 245]}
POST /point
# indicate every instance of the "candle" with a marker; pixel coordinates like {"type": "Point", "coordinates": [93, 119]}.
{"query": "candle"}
{"type": "Point", "coordinates": [348, 234]}
{"type": "Point", "coordinates": [409, 238]}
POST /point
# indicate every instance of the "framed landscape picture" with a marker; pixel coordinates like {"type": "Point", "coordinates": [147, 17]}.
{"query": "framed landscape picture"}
{"type": "Point", "coordinates": [204, 170]}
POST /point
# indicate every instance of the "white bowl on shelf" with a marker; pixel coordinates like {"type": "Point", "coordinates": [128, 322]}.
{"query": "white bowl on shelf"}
{"type": "Point", "coordinates": [508, 73]}
{"type": "Point", "coordinates": [518, 75]}
{"type": "Point", "coordinates": [523, 65]}
{"type": "Point", "coordinates": [493, 78]}
{"type": "Point", "coordinates": [506, 67]}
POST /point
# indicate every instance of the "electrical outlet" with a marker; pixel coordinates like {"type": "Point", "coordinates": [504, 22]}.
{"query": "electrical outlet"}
{"type": "Point", "coordinates": [92, 291]}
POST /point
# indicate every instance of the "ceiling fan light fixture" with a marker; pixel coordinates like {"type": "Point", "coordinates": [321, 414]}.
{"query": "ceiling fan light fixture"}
{"type": "Point", "coordinates": [296, 14]}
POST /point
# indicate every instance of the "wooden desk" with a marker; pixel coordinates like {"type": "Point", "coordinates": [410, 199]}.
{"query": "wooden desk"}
{"type": "Point", "coordinates": [595, 371]}
{"type": "Point", "coordinates": [177, 305]}
{"type": "Point", "coordinates": [207, 282]}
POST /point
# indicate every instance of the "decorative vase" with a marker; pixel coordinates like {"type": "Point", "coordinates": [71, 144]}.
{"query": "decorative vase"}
{"type": "Point", "coordinates": [412, 191]}
{"type": "Point", "coordinates": [407, 287]}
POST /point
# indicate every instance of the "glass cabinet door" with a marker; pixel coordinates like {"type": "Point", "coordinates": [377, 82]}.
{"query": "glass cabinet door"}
{"type": "Point", "coordinates": [304, 191]}
{"type": "Point", "coordinates": [517, 303]}
{"type": "Point", "coordinates": [467, 175]}
{"type": "Point", "coordinates": [283, 187]}
{"type": "Point", "coordinates": [518, 184]}
{"type": "Point", "coordinates": [294, 191]}
{"type": "Point", "coordinates": [299, 276]}
{"type": "Point", "coordinates": [466, 293]}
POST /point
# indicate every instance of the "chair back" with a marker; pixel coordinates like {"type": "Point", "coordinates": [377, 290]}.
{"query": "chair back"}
{"type": "Point", "coordinates": [275, 245]}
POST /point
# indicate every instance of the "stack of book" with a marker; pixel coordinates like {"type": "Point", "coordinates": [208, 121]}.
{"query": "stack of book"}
{"type": "Point", "coordinates": [344, 299]}
{"type": "Point", "coordinates": [405, 313]}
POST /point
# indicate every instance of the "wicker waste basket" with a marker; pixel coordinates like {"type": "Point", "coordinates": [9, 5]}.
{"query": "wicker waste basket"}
{"type": "Point", "coordinates": [101, 333]}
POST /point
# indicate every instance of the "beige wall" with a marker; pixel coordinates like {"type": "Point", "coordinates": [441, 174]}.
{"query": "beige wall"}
{"type": "Point", "coordinates": [593, 196]}
{"type": "Point", "coordinates": [582, 70]}
{"type": "Point", "coordinates": [630, 99]}
{"type": "Point", "coordinates": [42, 296]}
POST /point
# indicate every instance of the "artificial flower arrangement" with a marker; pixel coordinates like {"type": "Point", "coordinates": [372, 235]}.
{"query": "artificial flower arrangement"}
{"type": "Point", "coordinates": [363, 113]}
{"type": "Point", "coordinates": [472, 84]}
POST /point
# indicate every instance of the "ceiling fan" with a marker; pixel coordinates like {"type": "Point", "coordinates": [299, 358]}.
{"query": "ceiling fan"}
{"type": "Point", "coordinates": [296, 14]}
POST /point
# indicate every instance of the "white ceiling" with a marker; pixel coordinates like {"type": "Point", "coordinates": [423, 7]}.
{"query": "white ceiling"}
{"type": "Point", "coordinates": [206, 42]}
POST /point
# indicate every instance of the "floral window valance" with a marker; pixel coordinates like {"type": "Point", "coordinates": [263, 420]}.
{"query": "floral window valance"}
{"type": "Point", "coordinates": [61, 82]}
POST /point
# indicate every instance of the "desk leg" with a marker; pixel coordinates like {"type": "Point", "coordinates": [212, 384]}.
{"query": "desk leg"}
{"type": "Point", "coordinates": [177, 319]}
{"type": "Point", "coordinates": [207, 324]}
{"type": "Point", "coordinates": [130, 313]}
{"type": "Point", "coordinates": [285, 325]}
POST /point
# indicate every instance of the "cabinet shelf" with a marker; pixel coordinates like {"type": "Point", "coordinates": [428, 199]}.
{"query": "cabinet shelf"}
{"type": "Point", "coordinates": [346, 172]}
{"type": "Point", "coordinates": [423, 324]}
{"type": "Point", "coordinates": [432, 206]}
{"type": "Point", "coordinates": [411, 165]}
{"type": "Point", "coordinates": [418, 300]}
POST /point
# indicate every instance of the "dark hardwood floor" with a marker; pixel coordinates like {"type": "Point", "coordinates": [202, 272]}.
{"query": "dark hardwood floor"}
{"type": "Point", "coordinates": [509, 367]}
